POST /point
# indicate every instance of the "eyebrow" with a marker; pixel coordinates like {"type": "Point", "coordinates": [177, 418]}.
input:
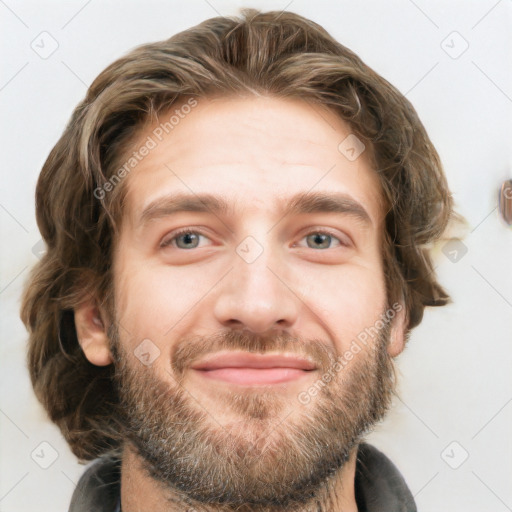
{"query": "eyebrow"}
{"type": "Point", "coordinates": [301, 203]}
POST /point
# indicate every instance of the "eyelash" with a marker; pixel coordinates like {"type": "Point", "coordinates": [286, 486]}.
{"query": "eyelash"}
{"type": "Point", "coordinates": [167, 242]}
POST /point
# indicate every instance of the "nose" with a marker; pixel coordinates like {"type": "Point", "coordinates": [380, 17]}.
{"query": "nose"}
{"type": "Point", "coordinates": [257, 296]}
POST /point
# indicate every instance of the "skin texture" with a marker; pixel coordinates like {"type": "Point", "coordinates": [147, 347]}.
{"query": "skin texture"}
{"type": "Point", "coordinates": [253, 279]}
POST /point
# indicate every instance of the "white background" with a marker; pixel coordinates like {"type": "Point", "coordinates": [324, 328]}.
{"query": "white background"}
{"type": "Point", "coordinates": [456, 370]}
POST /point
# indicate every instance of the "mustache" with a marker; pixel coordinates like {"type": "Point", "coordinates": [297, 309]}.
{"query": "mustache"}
{"type": "Point", "coordinates": [191, 349]}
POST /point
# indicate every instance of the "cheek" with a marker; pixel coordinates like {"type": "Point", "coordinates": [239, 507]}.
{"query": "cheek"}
{"type": "Point", "coordinates": [348, 300]}
{"type": "Point", "coordinates": [153, 299]}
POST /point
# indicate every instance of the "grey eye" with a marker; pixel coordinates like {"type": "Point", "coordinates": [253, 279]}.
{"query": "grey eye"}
{"type": "Point", "coordinates": [319, 240]}
{"type": "Point", "coordinates": [190, 240]}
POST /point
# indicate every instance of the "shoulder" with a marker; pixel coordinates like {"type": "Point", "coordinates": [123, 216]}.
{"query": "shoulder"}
{"type": "Point", "coordinates": [99, 487]}
{"type": "Point", "coordinates": [379, 485]}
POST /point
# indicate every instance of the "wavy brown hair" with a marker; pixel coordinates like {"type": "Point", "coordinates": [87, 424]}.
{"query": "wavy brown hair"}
{"type": "Point", "coordinates": [280, 54]}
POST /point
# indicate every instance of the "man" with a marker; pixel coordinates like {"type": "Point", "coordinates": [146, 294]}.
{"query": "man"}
{"type": "Point", "coordinates": [237, 222]}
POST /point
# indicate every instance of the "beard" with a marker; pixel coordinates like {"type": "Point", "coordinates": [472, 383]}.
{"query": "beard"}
{"type": "Point", "coordinates": [275, 452]}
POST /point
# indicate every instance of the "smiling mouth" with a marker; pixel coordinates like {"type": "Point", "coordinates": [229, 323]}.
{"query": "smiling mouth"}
{"type": "Point", "coordinates": [255, 376]}
{"type": "Point", "coordinates": [254, 369]}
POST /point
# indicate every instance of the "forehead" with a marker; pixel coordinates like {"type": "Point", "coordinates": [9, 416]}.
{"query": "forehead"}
{"type": "Point", "coordinates": [254, 153]}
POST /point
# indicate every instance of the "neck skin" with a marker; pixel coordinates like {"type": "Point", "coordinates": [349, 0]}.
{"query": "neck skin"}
{"type": "Point", "coordinates": [140, 492]}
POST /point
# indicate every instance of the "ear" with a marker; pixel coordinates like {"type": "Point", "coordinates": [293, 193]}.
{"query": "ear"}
{"type": "Point", "coordinates": [397, 337]}
{"type": "Point", "coordinates": [92, 333]}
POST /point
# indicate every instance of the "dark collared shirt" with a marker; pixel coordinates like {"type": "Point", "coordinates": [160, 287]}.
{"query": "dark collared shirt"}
{"type": "Point", "coordinates": [379, 486]}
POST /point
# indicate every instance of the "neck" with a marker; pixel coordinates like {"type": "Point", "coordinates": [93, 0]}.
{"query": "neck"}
{"type": "Point", "coordinates": [140, 492]}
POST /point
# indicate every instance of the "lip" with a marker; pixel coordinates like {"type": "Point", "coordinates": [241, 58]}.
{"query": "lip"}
{"type": "Point", "coordinates": [249, 369]}
{"type": "Point", "coordinates": [255, 361]}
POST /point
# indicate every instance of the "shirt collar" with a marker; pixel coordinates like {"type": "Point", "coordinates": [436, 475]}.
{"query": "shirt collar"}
{"type": "Point", "coordinates": [378, 485]}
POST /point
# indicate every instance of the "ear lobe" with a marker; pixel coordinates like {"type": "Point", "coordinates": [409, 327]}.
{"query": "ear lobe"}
{"type": "Point", "coordinates": [92, 335]}
{"type": "Point", "coordinates": [397, 336]}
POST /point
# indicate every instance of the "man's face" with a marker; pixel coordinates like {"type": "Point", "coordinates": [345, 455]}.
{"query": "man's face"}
{"type": "Point", "coordinates": [250, 278]}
